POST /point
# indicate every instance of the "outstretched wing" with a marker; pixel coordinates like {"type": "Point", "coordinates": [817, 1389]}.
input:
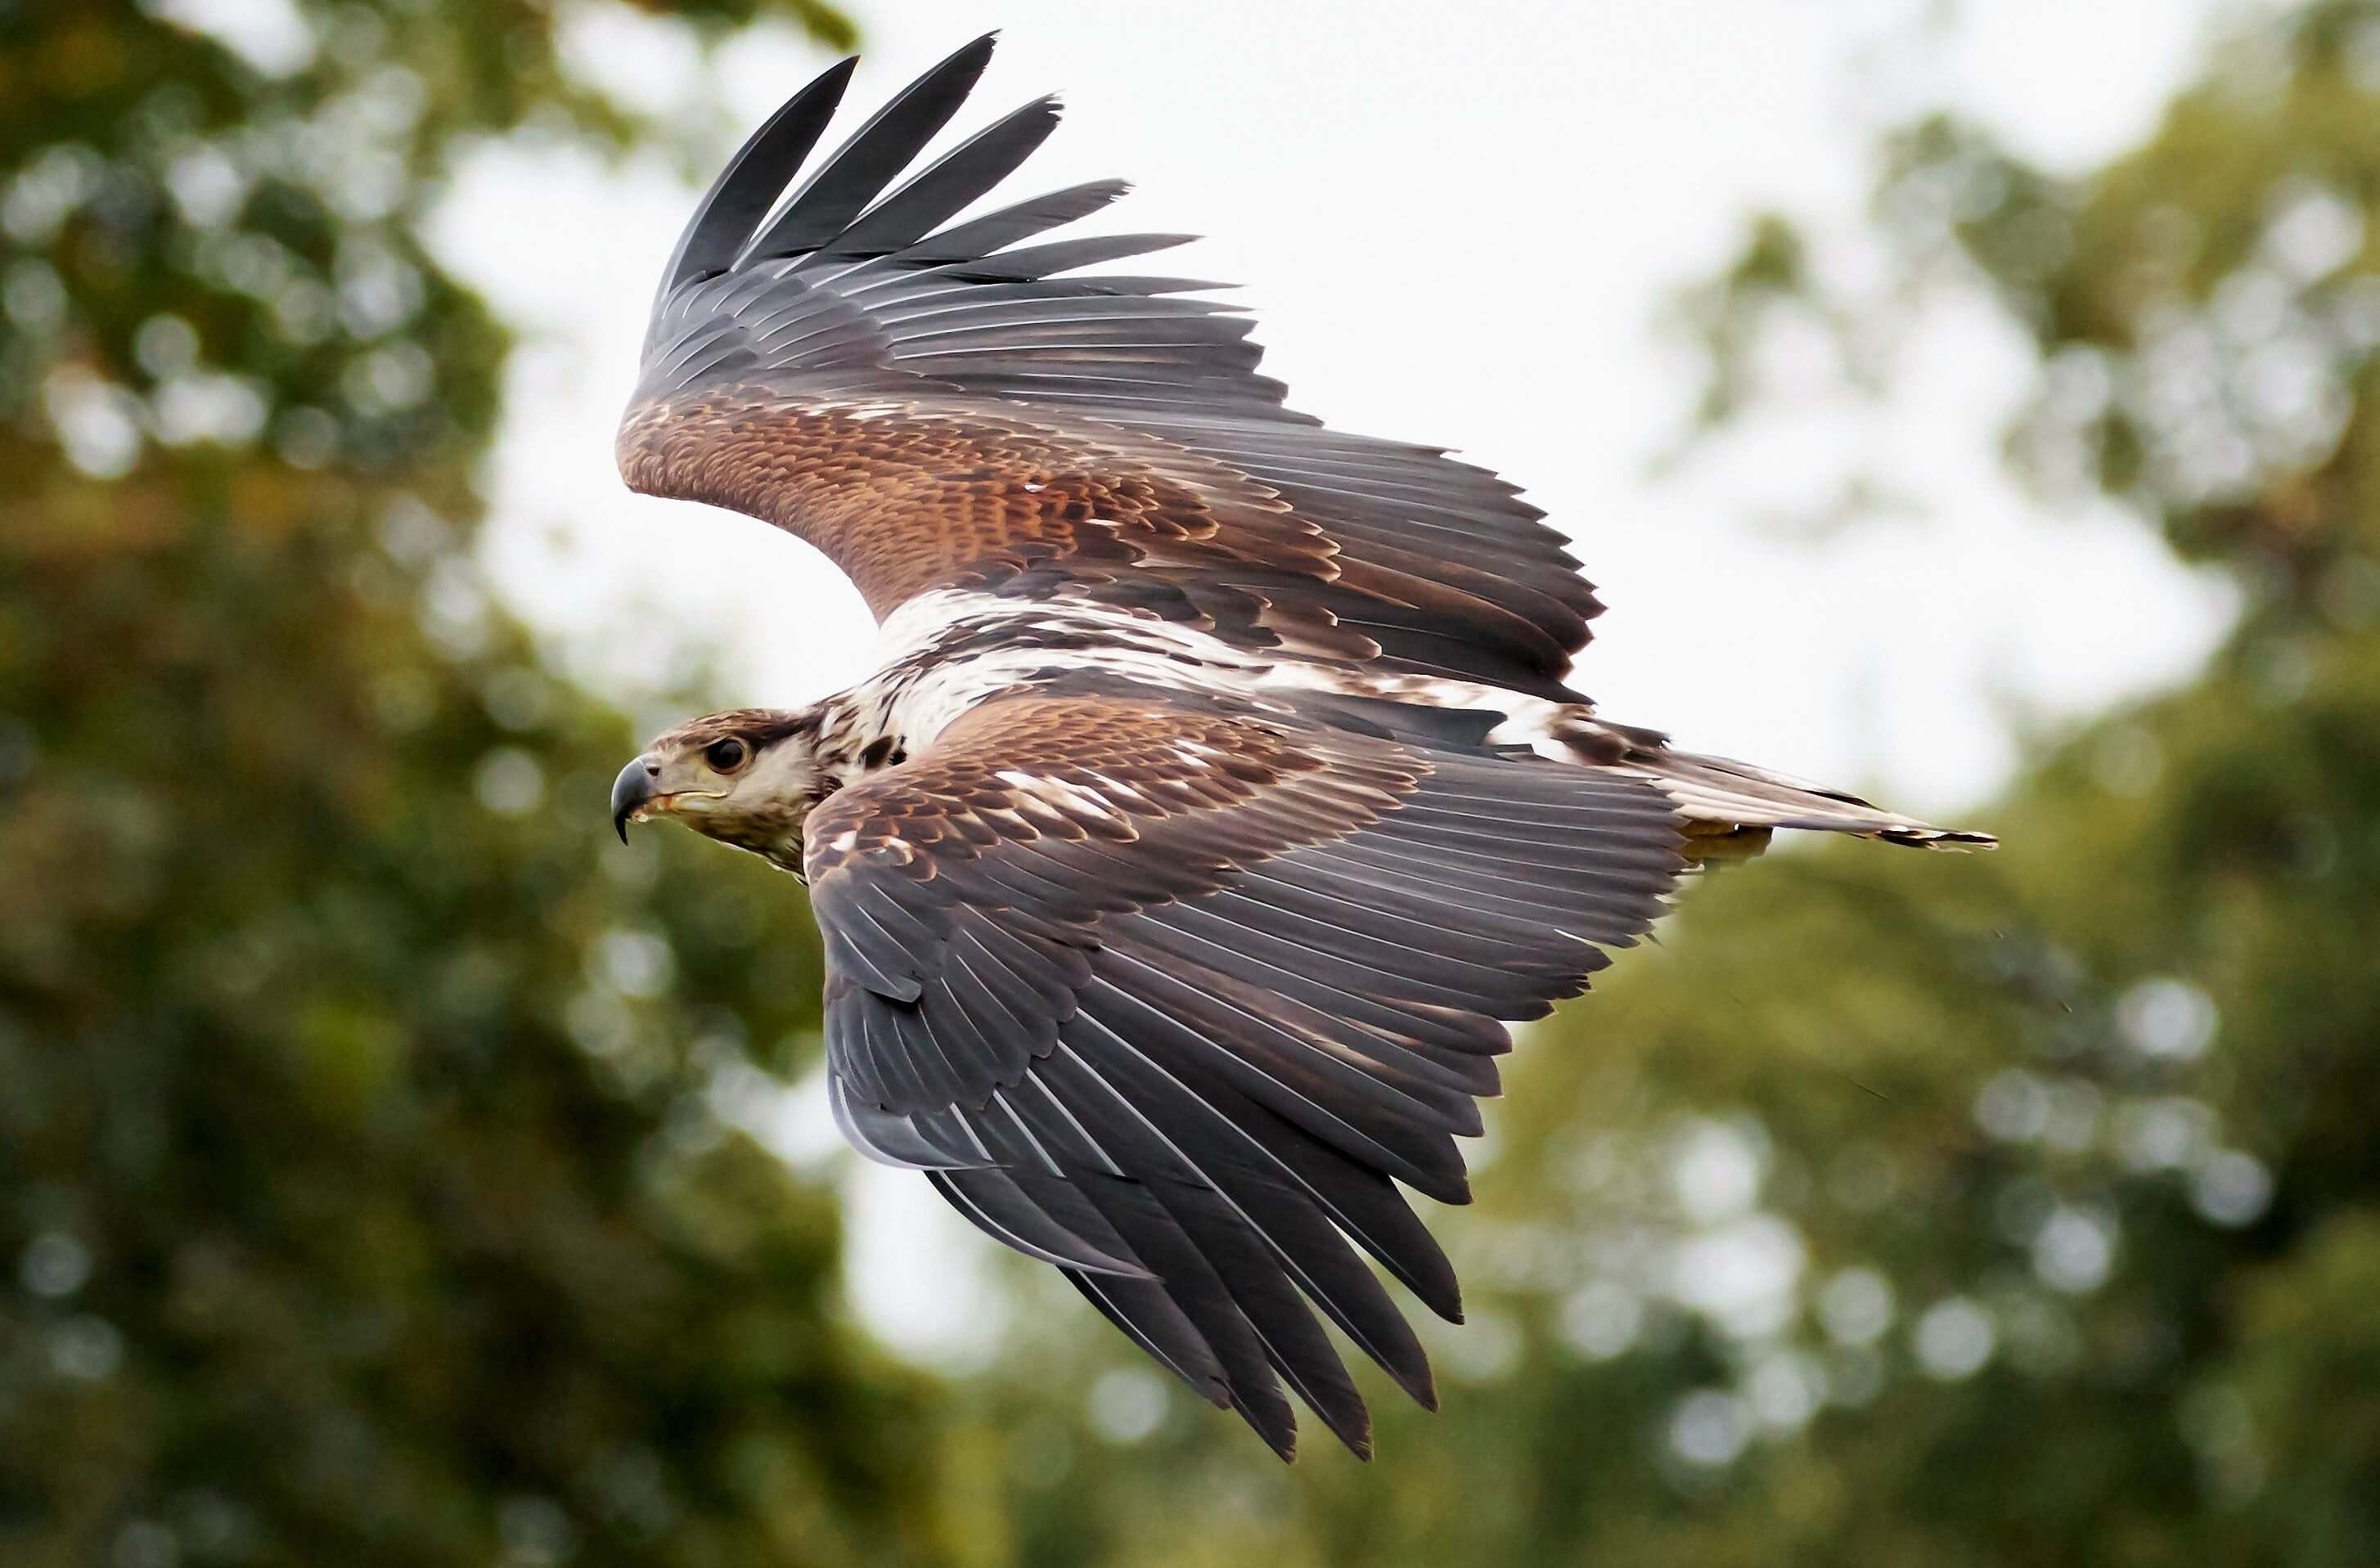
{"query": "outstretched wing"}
{"type": "Point", "coordinates": [1172, 994]}
{"type": "Point", "coordinates": [936, 404]}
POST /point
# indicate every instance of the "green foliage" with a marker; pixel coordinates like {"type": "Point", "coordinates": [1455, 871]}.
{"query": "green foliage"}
{"type": "Point", "coordinates": [359, 1198]}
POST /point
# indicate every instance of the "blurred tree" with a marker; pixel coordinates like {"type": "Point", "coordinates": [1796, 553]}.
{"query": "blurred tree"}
{"type": "Point", "coordinates": [2023, 1210]}
{"type": "Point", "coordinates": [360, 1201]}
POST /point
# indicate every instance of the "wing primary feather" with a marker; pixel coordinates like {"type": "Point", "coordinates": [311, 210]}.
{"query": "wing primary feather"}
{"type": "Point", "coordinates": [1155, 1235]}
{"type": "Point", "coordinates": [871, 159]}
{"type": "Point", "coordinates": [1272, 1205]}
{"type": "Point", "coordinates": [1152, 1320]}
{"type": "Point", "coordinates": [748, 187]}
{"type": "Point", "coordinates": [1284, 1037]}
{"type": "Point", "coordinates": [1031, 262]}
{"type": "Point", "coordinates": [1223, 1272]}
{"type": "Point", "coordinates": [959, 176]}
{"type": "Point", "coordinates": [1419, 1025]}
{"type": "Point", "coordinates": [1025, 1130]}
{"type": "Point", "coordinates": [1080, 1131]}
{"type": "Point", "coordinates": [886, 1138]}
{"type": "Point", "coordinates": [1426, 1161]}
{"type": "Point", "coordinates": [981, 236]}
{"type": "Point", "coordinates": [1000, 1210]}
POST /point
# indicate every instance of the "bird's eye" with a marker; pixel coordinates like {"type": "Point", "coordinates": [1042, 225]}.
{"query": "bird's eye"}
{"type": "Point", "coordinates": [726, 757]}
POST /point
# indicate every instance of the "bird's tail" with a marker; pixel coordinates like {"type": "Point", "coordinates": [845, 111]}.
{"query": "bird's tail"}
{"type": "Point", "coordinates": [1731, 807]}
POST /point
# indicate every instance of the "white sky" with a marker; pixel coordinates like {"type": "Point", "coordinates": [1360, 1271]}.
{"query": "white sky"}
{"type": "Point", "coordinates": [1458, 224]}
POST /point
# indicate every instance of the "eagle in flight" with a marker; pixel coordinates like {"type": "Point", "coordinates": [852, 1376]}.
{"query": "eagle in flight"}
{"type": "Point", "coordinates": [1219, 797]}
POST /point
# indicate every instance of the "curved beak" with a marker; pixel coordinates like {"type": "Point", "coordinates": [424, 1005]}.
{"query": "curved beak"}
{"type": "Point", "coordinates": [632, 791]}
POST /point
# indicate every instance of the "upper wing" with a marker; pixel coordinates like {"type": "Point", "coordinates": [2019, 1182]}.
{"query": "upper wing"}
{"type": "Point", "coordinates": [936, 404]}
{"type": "Point", "coordinates": [1170, 996]}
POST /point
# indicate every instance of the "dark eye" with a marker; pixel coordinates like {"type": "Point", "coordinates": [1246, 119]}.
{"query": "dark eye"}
{"type": "Point", "coordinates": [726, 757]}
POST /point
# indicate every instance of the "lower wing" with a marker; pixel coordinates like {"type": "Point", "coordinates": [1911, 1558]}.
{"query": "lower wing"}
{"type": "Point", "coordinates": [1173, 996]}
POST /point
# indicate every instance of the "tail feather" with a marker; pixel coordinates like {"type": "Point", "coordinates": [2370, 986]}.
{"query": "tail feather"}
{"type": "Point", "coordinates": [1731, 807]}
{"type": "Point", "coordinates": [1716, 793]}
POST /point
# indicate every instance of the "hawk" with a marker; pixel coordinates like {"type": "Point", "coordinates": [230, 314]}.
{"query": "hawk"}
{"type": "Point", "coordinates": [1219, 797]}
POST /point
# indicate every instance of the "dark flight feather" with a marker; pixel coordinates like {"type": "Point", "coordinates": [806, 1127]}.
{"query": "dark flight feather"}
{"type": "Point", "coordinates": [823, 206]}
{"type": "Point", "coordinates": [749, 184]}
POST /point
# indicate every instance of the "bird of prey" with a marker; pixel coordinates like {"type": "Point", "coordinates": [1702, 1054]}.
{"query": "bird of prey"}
{"type": "Point", "coordinates": [1219, 797]}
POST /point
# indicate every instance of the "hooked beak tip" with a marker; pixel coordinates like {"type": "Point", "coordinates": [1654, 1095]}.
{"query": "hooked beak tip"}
{"type": "Point", "coordinates": [631, 792]}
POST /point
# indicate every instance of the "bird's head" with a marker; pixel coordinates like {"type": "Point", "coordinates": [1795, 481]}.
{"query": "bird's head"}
{"type": "Point", "coordinates": [747, 778]}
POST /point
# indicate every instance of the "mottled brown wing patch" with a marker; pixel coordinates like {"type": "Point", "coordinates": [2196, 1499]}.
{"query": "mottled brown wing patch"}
{"type": "Point", "coordinates": [1033, 767]}
{"type": "Point", "coordinates": [908, 494]}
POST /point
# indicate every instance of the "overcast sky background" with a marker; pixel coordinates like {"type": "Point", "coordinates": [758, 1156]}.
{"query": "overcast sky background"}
{"type": "Point", "coordinates": [1460, 225]}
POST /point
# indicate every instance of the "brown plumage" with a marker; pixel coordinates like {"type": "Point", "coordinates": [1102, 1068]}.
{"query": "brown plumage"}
{"type": "Point", "coordinates": [1220, 796]}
